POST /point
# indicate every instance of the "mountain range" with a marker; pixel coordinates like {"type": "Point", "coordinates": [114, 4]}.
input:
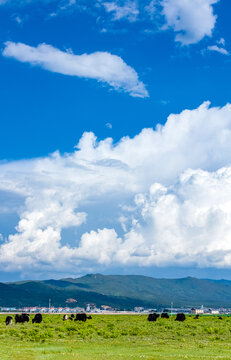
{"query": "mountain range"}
{"type": "Point", "coordinates": [118, 291]}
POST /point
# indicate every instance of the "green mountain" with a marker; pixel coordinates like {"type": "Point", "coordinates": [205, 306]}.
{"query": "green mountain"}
{"type": "Point", "coordinates": [118, 291]}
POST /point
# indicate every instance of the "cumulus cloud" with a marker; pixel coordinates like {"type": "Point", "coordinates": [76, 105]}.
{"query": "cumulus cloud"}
{"type": "Point", "coordinates": [100, 246]}
{"type": "Point", "coordinates": [187, 223]}
{"type": "Point", "coordinates": [128, 10]}
{"type": "Point", "coordinates": [167, 192]}
{"type": "Point", "coordinates": [101, 66]}
{"type": "Point", "coordinates": [192, 20]}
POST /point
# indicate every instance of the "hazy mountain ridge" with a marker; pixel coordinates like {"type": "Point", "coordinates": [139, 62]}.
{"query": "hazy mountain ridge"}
{"type": "Point", "coordinates": [120, 291]}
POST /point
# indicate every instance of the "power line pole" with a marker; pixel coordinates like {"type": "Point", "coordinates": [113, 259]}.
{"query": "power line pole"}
{"type": "Point", "coordinates": [171, 307]}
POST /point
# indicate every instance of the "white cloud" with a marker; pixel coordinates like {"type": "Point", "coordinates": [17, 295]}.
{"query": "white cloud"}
{"type": "Point", "coordinates": [18, 19]}
{"type": "Point", "coordinates": [151, 8]}
{"type": "Point", "coordinates": [159, 212]}
{"type": "Point", "coordinates": [99, 246]}
{"type": "Point", "coordinates": [128, 10]}
{"type": "Point", "coordinates": [192, 20]}
{"type": "Point", "coordinates": [108, 125]}
{"type": "Point", "coordinates": [102, 66]}
{"type": "Point", "coordinates": [188, 223]}
{"type": "Point", "coordinates": [218, 49]}
{"type": "Point", "coordinates": [221, 42]}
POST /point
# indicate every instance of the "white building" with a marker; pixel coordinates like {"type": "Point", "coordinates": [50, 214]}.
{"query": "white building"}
{"type": "Point", "coordinates": [197, 311]}
{"type": "Point", "coordinates": [214, 312]}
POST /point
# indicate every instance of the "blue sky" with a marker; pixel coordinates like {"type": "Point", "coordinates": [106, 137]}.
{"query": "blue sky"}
{"type": "Point", "coordinates": [103, 75]}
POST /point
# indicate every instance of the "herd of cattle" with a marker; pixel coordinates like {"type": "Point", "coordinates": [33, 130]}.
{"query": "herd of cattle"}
{"type": "Point", "coordinates": [155, 316]}
{"type": "Point", "coordinates": [179, 317]}
{"type": "Point", "coordinates": [83, 317]}
{"type": "Point", "coordinates": [23, 318]}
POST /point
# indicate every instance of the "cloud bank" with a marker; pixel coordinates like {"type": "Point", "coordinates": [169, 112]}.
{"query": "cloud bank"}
{"type": "Point", "coordinates": [167, 193]}
{"type": "Point", "coordinates": [101, 66]}
{"type": "Point", "coordinates": [191, 20]}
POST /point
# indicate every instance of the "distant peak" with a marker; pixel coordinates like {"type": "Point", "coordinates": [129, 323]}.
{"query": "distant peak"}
{"type": "Point", "coordinates": [94, 275]}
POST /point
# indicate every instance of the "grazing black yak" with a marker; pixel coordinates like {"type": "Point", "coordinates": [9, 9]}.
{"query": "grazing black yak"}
{"type": "Point", "coordinates": [180, 317]}
{"type": "Point", "coordinates": [164, 315]}
{"type": "Point", "coordinates": [81, 317]}
{"type": "Point", "coordinates": [37, 319]}
{"type": "Point", "coordinates": [153, 317]}
{"type": "Point", "coordinates": [22, 318]}
{"type": "Point", "coordinates": [9, 320]}
{"type": "Point", "coordinates": [197, 317]}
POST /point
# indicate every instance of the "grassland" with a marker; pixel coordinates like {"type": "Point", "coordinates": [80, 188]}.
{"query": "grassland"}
{"type": "Point", "coordinates": [117, 337]}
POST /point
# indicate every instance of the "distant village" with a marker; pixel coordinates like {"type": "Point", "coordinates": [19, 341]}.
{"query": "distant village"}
{"type": "Point", "coordinates": [105, 309]}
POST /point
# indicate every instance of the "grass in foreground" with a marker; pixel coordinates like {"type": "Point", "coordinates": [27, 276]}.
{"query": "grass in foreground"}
{"type": "Point", "coordinates": [117, 337]}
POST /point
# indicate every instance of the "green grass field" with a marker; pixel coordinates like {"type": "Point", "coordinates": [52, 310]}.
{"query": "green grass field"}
{"type": "Point", "coordinates": [117, 337]}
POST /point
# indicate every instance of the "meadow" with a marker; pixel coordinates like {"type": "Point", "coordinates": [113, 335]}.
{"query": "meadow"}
{"type": "Point", "coordinates": [117, 337]}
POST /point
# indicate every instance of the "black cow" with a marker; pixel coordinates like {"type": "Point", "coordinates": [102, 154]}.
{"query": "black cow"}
{"type": "Point", "coordinates": [197, 317]}
{"type": "Point", "coordinates": [81, 317]}
{"type": "Point", "coordinates": [153, 317]}
{"type": "Point", "coordinates": [164, 315]}
{"type": "Point", "coordinates": [37, 319]}
{"type": "Point", "coordinates": [89, 317]}
{"type": "Point", "coordinates": [220, 318]}
{"type": "Point", "coordinates": [22, 318]}
{"type": "Point", "coordinates": [26, 317]}
{"type": "Point", "coordinates": [72, 316]}
{"type": "Point", "coordinates": [9, 320]}
{"type": "Point", "coordinates": [17, 318]}
{"type": "Point", "coordinates": [180, 317]}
